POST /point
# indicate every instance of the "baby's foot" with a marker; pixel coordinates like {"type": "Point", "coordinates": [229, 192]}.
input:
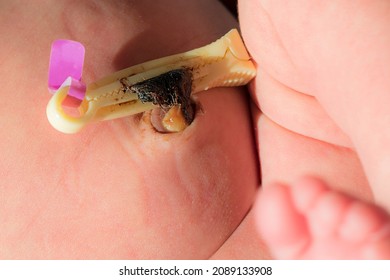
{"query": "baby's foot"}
{"type": "Point", "coordinates": [310, 221]}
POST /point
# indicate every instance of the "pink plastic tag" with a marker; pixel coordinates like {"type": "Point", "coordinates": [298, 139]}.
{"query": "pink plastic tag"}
{"type": "Point", "coordinates": [67, 60]}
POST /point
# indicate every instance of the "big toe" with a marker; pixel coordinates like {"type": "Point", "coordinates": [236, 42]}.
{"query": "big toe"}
{"type": "Point", "coordinates": [279, 222]}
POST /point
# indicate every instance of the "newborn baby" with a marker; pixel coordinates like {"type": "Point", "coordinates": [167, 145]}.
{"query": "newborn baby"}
{"type": "Point", "coordinates": [121, 189]}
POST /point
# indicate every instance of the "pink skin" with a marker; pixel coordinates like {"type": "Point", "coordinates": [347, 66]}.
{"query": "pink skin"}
{"type": "Point", "coordinates": [117, 189]}
{"type": "Point", "coordinates": [324, 102]}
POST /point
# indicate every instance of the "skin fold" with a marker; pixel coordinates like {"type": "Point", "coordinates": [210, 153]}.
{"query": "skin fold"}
{"type": "Point", "coordinates": [328, 59]}
{"type": "Point", "coordinates": [296, 135]}
{"type": "Point", "coordinates": [322, 110]}
{"type": "Point", "coordinates": [118, 189]}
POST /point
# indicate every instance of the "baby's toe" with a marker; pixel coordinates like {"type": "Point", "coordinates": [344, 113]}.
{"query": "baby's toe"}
{"type": "Point", "coordinates": [280, 224]}
{"type": "Point", "coordinates": [361, 221]}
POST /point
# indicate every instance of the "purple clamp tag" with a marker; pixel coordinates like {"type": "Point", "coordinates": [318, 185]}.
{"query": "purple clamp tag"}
{"type": "Point", "coordinates": [67, 61]}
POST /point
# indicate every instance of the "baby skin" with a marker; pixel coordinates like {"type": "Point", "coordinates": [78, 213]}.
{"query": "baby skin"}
{"type": "Point", "coordinates": [118, 189]}
{"type": "Point", "coordinates": [326, 61]}
{"type": "Point", "coordinates": [121, 190]}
